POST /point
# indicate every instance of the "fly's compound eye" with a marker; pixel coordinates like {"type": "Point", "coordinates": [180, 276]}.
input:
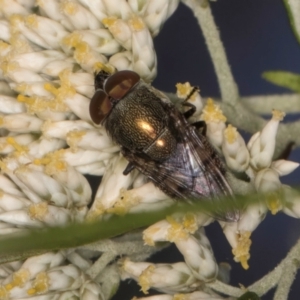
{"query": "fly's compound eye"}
{"type": "Point", "coordinates": [100, 106]}
{"type": "Point", "coordinates": [120, 83]}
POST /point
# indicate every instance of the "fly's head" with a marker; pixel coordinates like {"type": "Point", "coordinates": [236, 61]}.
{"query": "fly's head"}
{"type": "Point", "coordinates": [109, 90]}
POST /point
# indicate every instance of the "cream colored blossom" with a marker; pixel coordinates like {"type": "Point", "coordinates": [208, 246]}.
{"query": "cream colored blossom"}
{"type": "Point", "coordinates": [215, 121]}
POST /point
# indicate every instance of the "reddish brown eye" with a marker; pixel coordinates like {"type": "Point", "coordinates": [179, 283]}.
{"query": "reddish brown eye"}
{"type": "Point", "coordinates": [100, 106]}
{"type": "Point", "coordinates": [120, 83]}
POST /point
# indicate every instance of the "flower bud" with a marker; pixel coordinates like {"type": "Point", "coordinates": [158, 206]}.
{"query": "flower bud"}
{"type": "Point", "coordinates": [234, 149]}
{"type": "Point", "coordinates": [262, 146]}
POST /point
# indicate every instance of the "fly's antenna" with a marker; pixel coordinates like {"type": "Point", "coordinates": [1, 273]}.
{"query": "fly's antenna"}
{"type": "Point", "coordinates": [193, 91]}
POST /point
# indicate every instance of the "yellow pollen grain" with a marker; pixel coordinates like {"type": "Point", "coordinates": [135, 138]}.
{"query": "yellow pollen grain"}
{"type": "Point", "coordinates": [273, 203]}
{"type": "Point", "coordinates": [136, 23]}
{"type": "Point", "coordinates": [3, 293]}
{"type": "Point", "coordinates": [212, 112]}
{"type": "Point", "coordinates": [98, 66]}
{"type": "Point", "coordinates": [32, 21]}
{"type": "Point", "coordinates": [36, 104]}
{"type": "Point", "coordinates": [122, 263]}
{"type": "Point", "coordinates": [4, 46]}
{"type": "Point", "coordinates": [38, 211]}
{"type": "Point", "coordinates": [51, 88]}
{"type": "Point", "coordinates": [19, 44]}
{"type": "Point", "coordinates": [31, 292]}
{"type": "Point", "coordinates": [14, 21]}
{"type": "Point", "coordinates": [3, 165]}
{"type": "Point", "coordinates": [148, 235]}
{"type": "Point", "coordinates": [277, 115]}
{"type": "Point", "coordinates": [230, 134]}
{"type": "Point", "coordinates": [179, 297]}
{"type": "Point", "coordinates": [189, 223]}
{"type": "Point", "coordinates": [107, 22]}
{"type": "Point", "coordinates": [41, 161]}
{"type": "Point", "coordinates": [53, 162]}
{"type": "Point", "coordinates": [144, 279]}
{"type": "Point", "coordinates": [40, 284]}
{"type": "Point", "coordinates": [74, 137]}
{"type": "Point", "coordinates": [19, 278]}
{"type": "Point", "coordinates": [148, 241]}
{"type": "Point", "coordinates": [24, 99]}
{"type": "Point", "coordinates": [72, 39]}
{"type": "Point", "coordinates": [176, 231]}
{"type": "Point", "coordinates": [65, 81]}
{"type": "Point", "coordinates": [183, 89]}
{"type": "Point", "coordinates": [66, 90]}
{"type": "Point", "coordinates": [8, 67]}
{"type": "Point", "coordinates": [69, 8]}
{"type": "Point", "coordinates": [94, 214]}
{"type": "Point", "coordinates": [125, 202]}
{"type": "Point", "coordinates": [241, 252]}
{"type": "Point", "coordinates": [82, 53]}
{"type": "Point", "coordinates": [11, 141]}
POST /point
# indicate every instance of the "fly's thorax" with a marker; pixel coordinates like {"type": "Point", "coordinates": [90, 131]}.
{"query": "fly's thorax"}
{"type": "Point", "coordinates": [162, 148]}
{"type": "Point", "coordinates": [139, 122]}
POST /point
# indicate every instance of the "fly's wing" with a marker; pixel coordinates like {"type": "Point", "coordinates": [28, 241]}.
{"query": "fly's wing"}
{"type": "Point", "coordinates": [193, 171]}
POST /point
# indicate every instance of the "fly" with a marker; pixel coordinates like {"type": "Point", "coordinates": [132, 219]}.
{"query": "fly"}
{"type": "Point", "coordinates": [158, 140]}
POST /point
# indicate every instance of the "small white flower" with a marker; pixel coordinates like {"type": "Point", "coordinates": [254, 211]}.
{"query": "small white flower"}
{"type": "Point", "coordinates": [284, 167]}
{"type": "Point", "coordinates": [139, 199]}
{"type": "Point", "coordinates": [165, 277]}
{"type": "Point", "coordinates": [215, 121]}
{"type": "Point", "coordinates": [156, 12]}
{"type": "Point", "coordinates": [184, 90]}
{"type": "Point", "coordinates": [238, 233]}
{"type": "Point", "coordinates": [262, 145]}
{"type": "Point", "coordinates": [80, 17]}
{"type": "Point", "coordinates": [17, 143]}
{"type": "Point", "coordinates": [9, 105]}
{"type": "Point", "coordinates": [198, 256]}
{"type": "Point", "coordinates": [21, 123]}
{"type": "Point", "coordinates": [96, 140]}
{"type": "Point", "coordinates": [267, 180]}
{"type": "Point", "coordinates": [234, 149]}
{"type": "Point", "coordinates": [122, 60]}
{"type": "Point", "coordinates": [111, 185]}
{"type": "Point", "coordinates": [62, 128]}
{"type": "Point", "coordinates": [48, 188]}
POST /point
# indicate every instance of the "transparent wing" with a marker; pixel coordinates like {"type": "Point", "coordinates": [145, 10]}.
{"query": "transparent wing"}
{"type": "Point", "coordinates": [194, 170]}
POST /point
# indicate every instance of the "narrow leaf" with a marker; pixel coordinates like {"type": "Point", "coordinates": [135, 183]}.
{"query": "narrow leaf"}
{"type": "Point", "coordinates": [288, 80]}
{"type": "Point", "coordinates": [293, 11]}
{"type": "Point", "coordinates": [75, 235]}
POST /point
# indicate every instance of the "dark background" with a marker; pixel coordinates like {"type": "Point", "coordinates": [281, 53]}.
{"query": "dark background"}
{"type": "Point", "coordinates": [257, 37]}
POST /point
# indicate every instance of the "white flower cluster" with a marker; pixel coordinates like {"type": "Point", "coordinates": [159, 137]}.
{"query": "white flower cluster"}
{"type": "Point", "coordinates": [255, 159]}
{"type": "Point", "coordinates": [48, 53]}
{"type": "Point", "coordinates": [44, 277]}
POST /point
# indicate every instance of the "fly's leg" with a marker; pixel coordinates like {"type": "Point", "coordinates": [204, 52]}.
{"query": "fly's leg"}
{"type": "Point", "coordinates": [128, 168]}
{"type": "Point", "coordinates": [193, 91]}
{"type": "Point", "coordinates": [201, 126]}
{"type": "Point", "coordinates": [189, 112]}
{"type": "Point", "coordinates": [192, 109]}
